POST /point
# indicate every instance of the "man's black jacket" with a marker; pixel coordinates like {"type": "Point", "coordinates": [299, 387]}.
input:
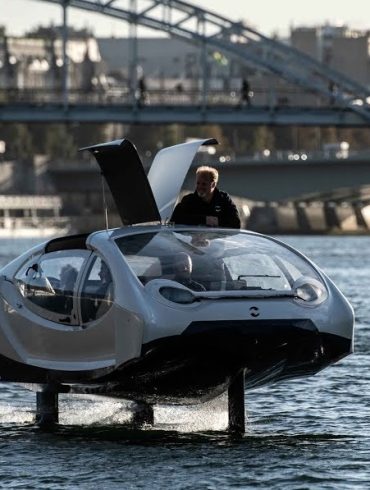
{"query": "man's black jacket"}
{"type": "Point", "coordinates": [193, 210]}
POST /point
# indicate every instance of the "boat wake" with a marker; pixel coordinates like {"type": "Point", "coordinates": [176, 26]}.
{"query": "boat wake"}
{"type": "Point", "coordinates": [94, 411]}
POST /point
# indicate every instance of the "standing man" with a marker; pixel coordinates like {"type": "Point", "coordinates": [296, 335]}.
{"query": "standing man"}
{"type": "Point", "coordinates": [246, 93]}
{"type": "Point", "coordinates": [143, 94]}
{"type": "Point", "coordinates": [207, 205]}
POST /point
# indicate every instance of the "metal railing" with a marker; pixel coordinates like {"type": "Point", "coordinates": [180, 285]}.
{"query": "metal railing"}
{"type": "Point", "coordinates": [166, 97]}
{"type": "Point", "coordinates": [12, 223]}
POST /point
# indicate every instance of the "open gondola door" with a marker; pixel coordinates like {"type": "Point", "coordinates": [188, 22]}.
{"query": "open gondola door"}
{"type": "Point", "coordinates": [123, 171]}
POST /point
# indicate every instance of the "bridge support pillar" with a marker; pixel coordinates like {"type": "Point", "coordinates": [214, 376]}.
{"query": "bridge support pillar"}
{"type": "Point", "coordinates": [287, 219]}
{"type": "Point", "coordinates": [316, 217]}
{"type": "Point", "coordinates": [346, 217]}
{"type": "Point", "coordinates": [331, 217]}
{"type": "Point", "coordinates": [302, 218]}
{"type": "Point", "coordinates": [263, 219]}
{"type": "Point", "coordinates": [363, 216]}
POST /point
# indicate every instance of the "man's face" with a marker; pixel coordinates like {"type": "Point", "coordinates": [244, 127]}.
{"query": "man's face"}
{"type": "Point", "coordinates": [204, 186]}
{"type": "Point", "coordinates": [184, 266]}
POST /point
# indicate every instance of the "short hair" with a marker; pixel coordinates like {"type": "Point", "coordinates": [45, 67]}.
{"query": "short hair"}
{"type": "Point", "coordinates": [211, 172]}
{"type": "Point", "coordinates": [181, 257]}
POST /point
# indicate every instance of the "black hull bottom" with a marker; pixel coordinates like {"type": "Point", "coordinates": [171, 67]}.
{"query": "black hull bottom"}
{"type": "Point", "coordinates": [200, 364]}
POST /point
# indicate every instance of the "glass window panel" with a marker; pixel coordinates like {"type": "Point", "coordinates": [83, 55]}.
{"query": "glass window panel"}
{"type": "Point", "coordinates": [221, 260]}
{"type": "Point", "coordinates": [50, 284]}
{"type": "Point", "coordinates": [97, 291]}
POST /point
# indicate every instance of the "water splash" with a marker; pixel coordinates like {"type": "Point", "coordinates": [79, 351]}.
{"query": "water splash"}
{"type": "Point", "coordinates": [91, 410]}
{"type": "Point", "coordinates": [211, 415]}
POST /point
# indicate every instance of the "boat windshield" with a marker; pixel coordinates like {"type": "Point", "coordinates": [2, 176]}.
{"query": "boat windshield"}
{"type": "Point", "coordinates": [220, 260]}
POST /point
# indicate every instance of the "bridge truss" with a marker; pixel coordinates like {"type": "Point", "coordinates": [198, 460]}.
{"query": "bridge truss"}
{"type": "Point", "coordinates": [212, 31]}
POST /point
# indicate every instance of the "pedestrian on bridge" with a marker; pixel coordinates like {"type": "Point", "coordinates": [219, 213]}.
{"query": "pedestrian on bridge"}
{"type": "Point", "coordinates": [207, 205]}
{"type": "Point", "coordinates": [143, 93]}
{"type": "Point", "coordinates": [245, 93]}
{"type": "Point", "coordinates": [333, 92]}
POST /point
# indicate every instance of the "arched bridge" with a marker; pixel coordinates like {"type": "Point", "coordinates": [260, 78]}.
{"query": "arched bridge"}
{"type": "Point", "coordinates": [209, 30]}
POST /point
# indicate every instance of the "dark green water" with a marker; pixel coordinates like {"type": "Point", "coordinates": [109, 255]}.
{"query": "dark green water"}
{"type": "Point", "coordinates": [311, 433]}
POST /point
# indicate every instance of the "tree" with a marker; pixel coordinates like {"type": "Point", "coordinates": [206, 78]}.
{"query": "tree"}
{"type": "Point", "coordinates": [59, 142]}
{"type": "Point", "coordinates": [18, 142]}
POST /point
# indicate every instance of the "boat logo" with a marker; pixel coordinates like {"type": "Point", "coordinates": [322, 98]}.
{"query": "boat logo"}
{"type": "Point", "coordinates": [254, 311]}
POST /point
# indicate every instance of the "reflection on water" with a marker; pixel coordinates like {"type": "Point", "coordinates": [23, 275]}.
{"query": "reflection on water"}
{"type": "Point", "coordinates": [311, 433]}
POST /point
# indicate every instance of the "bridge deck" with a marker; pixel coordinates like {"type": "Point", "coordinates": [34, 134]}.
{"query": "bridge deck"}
{"type": "Point", "coordinates": [182, 114]}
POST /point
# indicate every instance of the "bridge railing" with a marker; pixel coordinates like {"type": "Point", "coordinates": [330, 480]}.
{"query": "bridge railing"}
{"type": "Point", "coordinates": [297, 156]}
{"type": "Point", "coordinates": [166, 97]}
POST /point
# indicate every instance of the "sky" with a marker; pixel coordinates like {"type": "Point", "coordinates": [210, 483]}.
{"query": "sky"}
{"type": "Point", "coordinates": [267, 16]}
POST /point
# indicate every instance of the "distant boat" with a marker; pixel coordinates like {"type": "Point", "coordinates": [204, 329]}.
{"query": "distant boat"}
{"type": "Point", "coordinates": [27, 216]}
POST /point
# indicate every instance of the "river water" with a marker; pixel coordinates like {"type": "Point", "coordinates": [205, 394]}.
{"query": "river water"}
{"type": "Point", "coordinates": [311, 433]}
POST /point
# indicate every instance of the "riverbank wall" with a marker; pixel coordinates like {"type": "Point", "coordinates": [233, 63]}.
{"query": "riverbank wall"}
{"type": "Point", "coordinates": [309, 218]}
